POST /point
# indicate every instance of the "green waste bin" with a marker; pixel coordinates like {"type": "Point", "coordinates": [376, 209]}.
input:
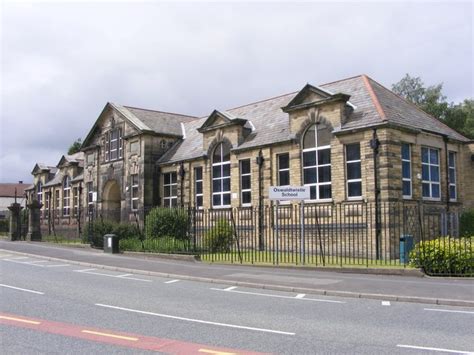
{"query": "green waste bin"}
{"type": "Point", "coordinates": [406, 245]}
{"type": "Point", "coordinates": [111, 244]}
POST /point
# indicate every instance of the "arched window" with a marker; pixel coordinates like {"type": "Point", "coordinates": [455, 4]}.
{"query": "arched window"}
{"type": "Point", "coordinates": [66, 196]}
{"type": "Point", "coordinates": [221, 176]}
{"type": "Point", "coordinates": [39, 192]}
{"type": "Point", "coordinates": [317, 161]}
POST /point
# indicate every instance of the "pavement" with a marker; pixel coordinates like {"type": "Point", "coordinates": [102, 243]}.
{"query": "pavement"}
{"type": "Point", "coordinates": [402, 288]}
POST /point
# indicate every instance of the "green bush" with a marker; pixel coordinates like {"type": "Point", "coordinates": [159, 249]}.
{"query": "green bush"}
{"type": "Point", "coordinates": [219, 237]}
{"type": "Point", "coordinates": [132, 244]}
{"type": "Point", "coordinates": [444, 256]}
{"type": "Point", "coordinates": [100, 228]}
{"type": "Point", "coordinates": [466, 223]}
{"type": "Point", "coordinates": [167, 222]}
{"type": "Point", "coordinates": [4, 225]}
{"type": "Point", "coordinates": [158, 245]}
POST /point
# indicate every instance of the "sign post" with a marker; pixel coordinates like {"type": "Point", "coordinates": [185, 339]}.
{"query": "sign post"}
{"type": "Point", "coordinates": [290, 193]}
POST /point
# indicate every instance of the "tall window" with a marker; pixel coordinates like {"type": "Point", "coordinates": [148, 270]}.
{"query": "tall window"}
{"type": "Point", "coordinates": [406, 170]}
{"type": "Point", "coordinates": [46, 203]}
{"type": "Point", "coordinates": [283, 161]}
{"type": "Point", "coordinates": [221, 176]}
{"type": "Point", "coordinates": [39, 192]}
{"type": "Point", "coordinates": [245, 183]}
{"type": "Point", "coordinates": [198, 187]}
{"type": "Point", "coordinates": [430, 173]}
{"type": "Point", "coordinates": [90, 197]}
{"type": "Point", "coordinates": [317, 162]}
{"type": "Point", "coordinates": [134, 194]}
{"type": "Point", "coordinates": [58, 201]}
{"type": "Point", "coordinates": [66, 196]}
{"type": "Point", "coordinates": [75, 201]}
{"type": "Point", "coordinates": [452, 176]}
{"type": "Point", "coordinates": [113, 145]}
{"type": "Point", "coordinates": [170, 190]}
{"type": "Point", "coordinates": [353, 171]}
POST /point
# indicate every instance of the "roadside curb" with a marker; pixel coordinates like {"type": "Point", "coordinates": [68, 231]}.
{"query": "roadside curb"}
{"type": "Point", "coordinates": [346, 294]}
{"type": "Point", "coordinates": [148, 256]}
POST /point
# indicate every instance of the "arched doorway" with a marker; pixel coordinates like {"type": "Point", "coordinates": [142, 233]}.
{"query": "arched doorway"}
{"type": "Point", "coordinates": [111, 201]}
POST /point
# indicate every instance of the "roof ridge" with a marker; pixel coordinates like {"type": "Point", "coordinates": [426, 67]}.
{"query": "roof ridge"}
{"type": "Point", "coordinates": [416, 106]}
{"type": "Point", "coordinates": [337, 81]}
{"type": "Point", "coordinates": [170, 113]}
{"type": "Point", "coordinates": [374, 97]}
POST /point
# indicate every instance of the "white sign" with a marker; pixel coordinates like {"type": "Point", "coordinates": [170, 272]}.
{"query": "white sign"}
{"type": "Point", "coordinates": [287, 193]}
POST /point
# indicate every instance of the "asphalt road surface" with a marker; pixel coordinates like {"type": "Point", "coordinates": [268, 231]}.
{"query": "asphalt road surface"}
{"type": "Point", "coordinates": [50, 307]}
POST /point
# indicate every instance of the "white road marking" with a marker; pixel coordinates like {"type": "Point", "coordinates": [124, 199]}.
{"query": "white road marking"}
{"type": "Point", "coordinates": [434, 349]}
{"type": "Point", "coordinates": [17, 258]}
{"type": "Point", "coordinates": [34, 262]}
{"type": "Point", "coordinates": [195, 320]}
{"type": "Point", "coordinates": [447, 310]}
{"type": "Point", "coordinates": [124, 275]}
{"type": "Point", "coordinates": [300, 295]}
{"type": "Point", "coordinates": [230, 288]}
{"type": "Point", "coordinates": [171, 281]}
{"type": "Point", "coordinates": [22, 289]}
{"type": "Point", "coordinates": [275, 296]}
{"type": "Point", "coordinates": [385, 303]}
{"type": "Point", "coordinates": [56, 265]}
{"type": "Point", "coordinates": [5, 255]}
{"type": "Point", "coordinates": [86, 271]}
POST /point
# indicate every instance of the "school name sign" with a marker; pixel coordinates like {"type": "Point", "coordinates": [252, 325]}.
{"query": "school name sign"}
{"type": "Point", "coordinates": [288, 193]}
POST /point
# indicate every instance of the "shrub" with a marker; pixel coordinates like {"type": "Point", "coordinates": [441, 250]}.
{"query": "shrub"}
{"type": "Point", "coordinates": [451, 256]}
{"type": "Point", "coordinates": [100, 228]}
{"type": "Point", "coordinates": [167, 222]}
{"type": "Point", "coordinates": [466, 223]}
{"type": "Point", "coordinates": [132, 244]}
{"type": "Point", "coordinates": [4, 225]}
{"type": "Point", "coordinates": [219, 237]}
{"type": "Point", "coordinates": [158, 245]}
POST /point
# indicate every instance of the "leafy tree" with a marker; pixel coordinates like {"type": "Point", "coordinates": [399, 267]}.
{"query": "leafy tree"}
{"type": "Point", "coordinates": [431, 99]}
{"type": "Point", "coordinates": [75, 147]}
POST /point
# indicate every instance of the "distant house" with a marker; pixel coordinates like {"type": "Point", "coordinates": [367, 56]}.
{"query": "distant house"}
{"type": "Point", "coordinates": [7, 196]}
{"type": "Point", "coordinates": [349, 141]}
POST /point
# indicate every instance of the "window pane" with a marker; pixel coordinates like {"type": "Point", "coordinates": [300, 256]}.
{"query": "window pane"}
{"type": "Point", "coordinates": [309, 176]}
{"type": "Point", "coordinates": [173, 178]}
{"type": "Point", "coordinates": [406, 151]}
{"type": "Point", "coordinates": [167, 191]}
{"type": "Point", "coordinates": [433, 156]}
{"type": "Point", "coordinates": [174, 190]}
{"type": "Point", "coordinates": [435, 190]}
{"type": "Point", "coordinates": [225, 152]}
{"type": "Point", "coordinates": [452, 176]}
{"type": "Point", "coordinates": [426, 190]}
{"type": "Point", "coordinates": [309, 158]}
{"type": "Point", "coordinates": [246, 182]}
{"type": "Point", "coordinates": [199, 201]}
{"type": "Point", "coordinates": [425, 172]}
{"type": "Point", "coordinates": [324, 174]}
{"type": "Point", "coordinates": [406, 188]}
{"type": "Point", "coordinates": [324, 156]}
{"type": "Point", "coordinates": [324, 135]}
{"type": "Point", "coordinates": [352, 152]}
{"type": "Point", "coordinates": [226, 199]}
{"type": "Point", "coordinates": [406, 173]}
{"type": "Point", "coordinates": [226, 170]}
{"type": "Point", "coordinates": [246, 197]}
{"type": "Point", "coordinates": [434, 170]}
{"type": "Point", "coordinates": [216, 185]}
{"type": "Point", "coordinates": [283, 161]}
{"type": "Point", "coordinates": [353, 171]}
{"type": "Point", "coordinates": [198, 173]}
{"type": "Point", "coordinates": [174, 202]}
{"type": "Point", "coordinates": [226, 184]}
{"type": "Point", "coordinates": [199, 187]}
{"type": "Point", "coordinates": [216, 200]}
{"type": "Point", "coordinates": [312, 192]}
{"type": "Point", "coordinates": [216, 158]}
{"type": "Point", "coordinates": [284, 178]}
{"type": "Point", "coordinates": [424, 155]}
{"type": "Point", "coordinates": [325, 191]}
{"type": "Point", "coordinates": [451, 159]}
{"type": "Point", "coordinates": [245, 166]}
{"type": "Point", "coordinates": [452, 192]}
{"type": "Point", "coordinates": [355, 189]}
{"type": "Point", "coordinates": [216, 171]}
{"type": "Point", "coordinates": [309, 140]}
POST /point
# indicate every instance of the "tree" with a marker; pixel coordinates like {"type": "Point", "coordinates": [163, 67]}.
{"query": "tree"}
{"type": "Point", "coordinates": [75, 147]}
{"type": "Point", "coordinates": [459, 117]}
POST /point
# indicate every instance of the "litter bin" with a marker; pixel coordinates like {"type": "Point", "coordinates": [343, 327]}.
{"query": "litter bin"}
{"type": "Point", "coordinates": [406, 245]}
{"type": "Point", "coordinates": [111, 244]}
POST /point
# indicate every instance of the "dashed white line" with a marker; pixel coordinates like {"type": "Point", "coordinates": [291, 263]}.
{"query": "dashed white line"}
{"type": "Point", "coordinates": [84, 270]}
{"type": "Point", "coordinates": [122, 277]}
{"type": "Point", "coordinates": [385, 303]}
{"type": "Point", "coordinates": [300, 295]}
{"type": "Point", "coordinates": [447, 310]}
{"type": "Point", "coordinates": [195, 320]}
{"type": "Point", "coordinates": [434, 349]}
{"type": "Point", "coordinates": [17, 258]}
{"type": "Point", "coordinates": [172, 281]}
{"type": "Point", "coordinates": [232, 290]}
{"type": "Point", "coordinates": [34, 262]}
{"type": "Point", "coordinates": [22, 289]}
{"type": "Point", "coordinates": [56, 265]}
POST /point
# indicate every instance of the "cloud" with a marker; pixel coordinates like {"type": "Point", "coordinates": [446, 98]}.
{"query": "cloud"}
{"type": "Point", "coordinates": [61, 63]}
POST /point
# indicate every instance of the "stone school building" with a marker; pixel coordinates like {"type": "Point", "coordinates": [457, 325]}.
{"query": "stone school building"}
{"type": "Point", "coordinates": [350, 141]}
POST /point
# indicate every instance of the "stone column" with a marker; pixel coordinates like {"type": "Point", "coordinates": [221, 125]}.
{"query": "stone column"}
{"type": "Point", "coordinates": [15, 227]}
{"type": "Point", "coordinates": [34, 223]}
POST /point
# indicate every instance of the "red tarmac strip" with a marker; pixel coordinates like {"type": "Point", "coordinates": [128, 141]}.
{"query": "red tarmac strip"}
{"type": "Point", "coordinates": [169, 346]}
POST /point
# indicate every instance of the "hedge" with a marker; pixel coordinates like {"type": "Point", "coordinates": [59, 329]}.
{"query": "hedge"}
{"type": "Point", "coordinates": [445, 256]}
{"type": "Point", "coordinates": [100, 228]}
{"type": "Point", "coordinates": [167, 222]}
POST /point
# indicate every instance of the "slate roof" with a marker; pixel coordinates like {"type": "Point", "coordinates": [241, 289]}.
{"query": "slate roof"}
{"type": "Point", "coordinates": [57, 180]}
{"type": "Point", "coordinates": [79, 177]}
{"type": "Point", "coordinates": [373, 105]}
{"type": "Point", "coordinates": [8, 190]}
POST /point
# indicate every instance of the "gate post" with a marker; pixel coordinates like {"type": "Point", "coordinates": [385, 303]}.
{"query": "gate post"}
{"type": "Point", "coordinates": [34, 223]}
{"type": "Point", "coordinates": [15, 225]}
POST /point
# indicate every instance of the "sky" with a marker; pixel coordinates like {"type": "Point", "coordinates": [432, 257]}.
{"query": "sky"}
{"type": "Point", "coordinates": [61, 62]}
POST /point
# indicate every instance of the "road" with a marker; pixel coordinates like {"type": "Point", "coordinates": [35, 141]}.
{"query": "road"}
{"type": "Point", "coordinates": [49, 307]}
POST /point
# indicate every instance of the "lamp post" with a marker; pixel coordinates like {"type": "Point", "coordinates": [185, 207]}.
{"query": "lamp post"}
{"type": "Point", "coordinates": [79, 197]}
{"type": "Point", "coordinates": [260, 160]}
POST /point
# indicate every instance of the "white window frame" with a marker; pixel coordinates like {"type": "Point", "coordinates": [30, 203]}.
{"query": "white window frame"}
{"type": "Point", "coordinates": [168, 182]}
{"type": "Point", "coordinates": [316, 149]}
{"type": "Point", "coordinates": [196, 182]}
{"type": "Point", "coordinates": [221, 165]}
{"type": "Point", "coordinates": [134, 195]}
{"type": "Point", "coordinates": [430, 182]}
{"type": "Point", "coordinates": [242, 190]}
{"type": "Point", "coordinates": [90, 196]}
{"type": "Point", "coordinates": [66, 196]}
{"type": "Point", "coordinates": [108, 145]}
{"type": "Point", "coordinates": [410, 165]}
{"type": "Point", "coordinates": [75, 201]}
{"type": "Point", "coordinates": [57, 198]}
{"type": "Point", "coordinates": [279, 169]}
{"type": "Point", "coordinates": [39, 192]}
{"type": "Point", "coordinates": [46, 203]}
{"type": "Point", "coordinates": [452, 167]}
{"type": "Point", "coordinates": [348, 181]}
